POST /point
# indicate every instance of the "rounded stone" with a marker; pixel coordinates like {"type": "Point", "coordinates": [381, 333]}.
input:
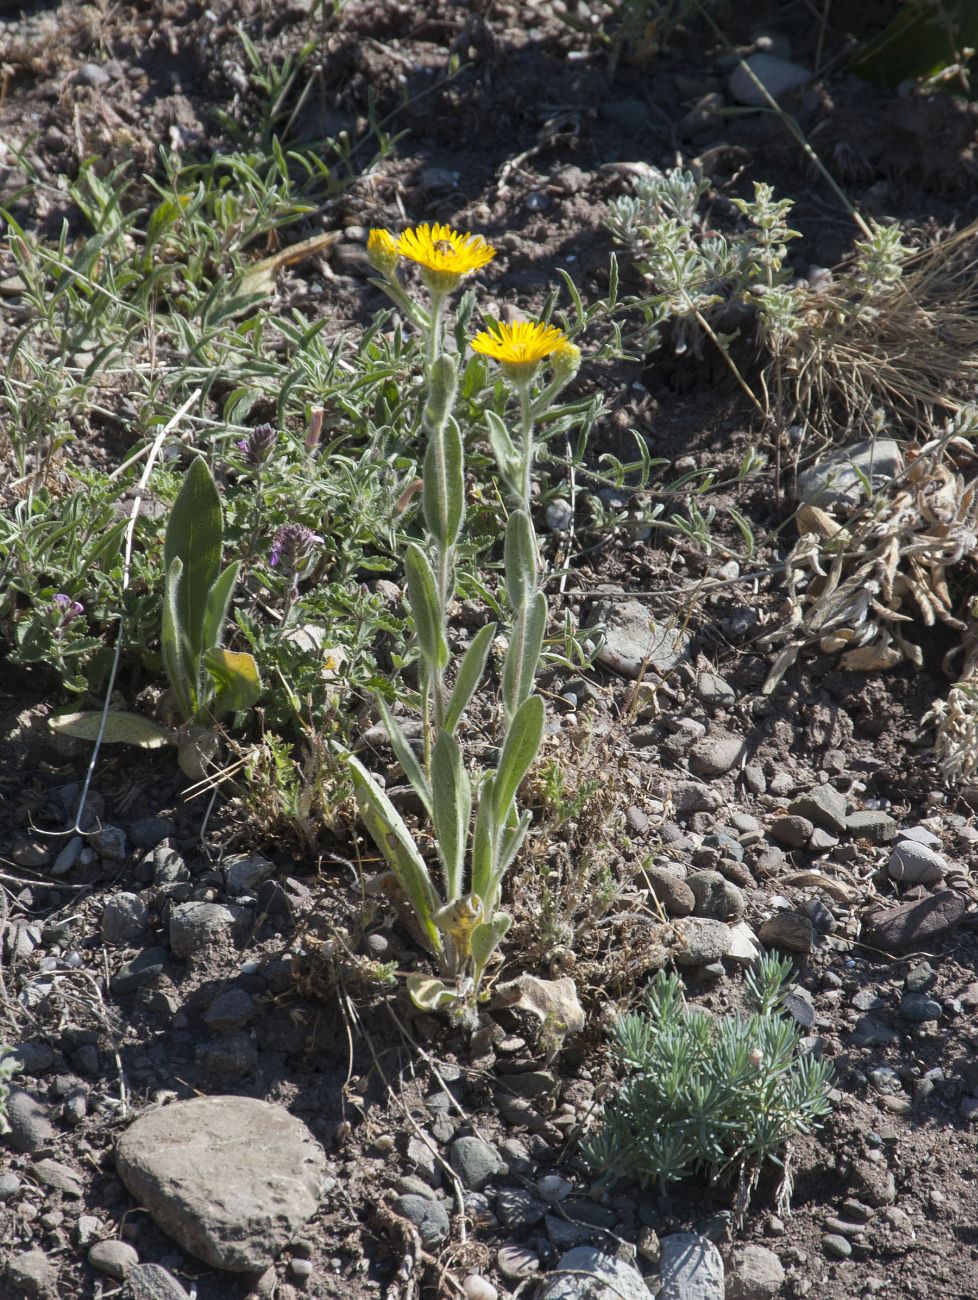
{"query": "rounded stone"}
{"type": "Point", "coordinates": [792, 831]}
{"type": "Point", "coordinates": [30, 1126]}
{"type": "Point", "coordinates": [124, 919]}
{"type": "Point", "coordinates": [753, 1273]}
{"type": "Point", "coordinates": [836, 1245]}
{"type": "Point", "coordinates": [716, 753]}
{"type": "Point", "coordinates": [114, 1258]}
{"type": "Point", "coordinates": [919, 1008]}
{"type": "Point", "coordinates": [476, 1162]}
{"type": "Point", "coordinates": [700, 941]}
{"type": "Point", "coordinates": [911, 863]}
{"type": "Point", "coordinates": [671, 890]}
{"type": "Point", "coordinates": [31, 1272]}
{"type": "Point", "coordinates": [429, 1217]}
{"type": "Point", "coordinates": [716, 897]}
{"type": "Point", "coordinates": [149, 831]}
{"type": "Point", "coordinates": [792, 931]}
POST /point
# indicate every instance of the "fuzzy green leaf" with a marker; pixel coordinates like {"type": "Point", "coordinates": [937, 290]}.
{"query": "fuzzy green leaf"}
{"type": "Point", "coordinates": [236, 678]}
{"type": "Point", "coordinates": [443, 497]}
{"type": "Point", "coordinates": [177, 655]}
{"type": "Point", "coordinates": [120, 729]}
{"type": "Point", "coordinates": [469, 676]}
{"type": "Point", "coordinates": [520, 560]}
{"type": "Point", "coordinates": [523, 655]}
{"type": "Point", "coordinates": [395, 842]}
{"type": "Point", "coordinates": [425, 606]}
{"type": "Point", "coordinates": [218, 600]}
{"type": "Point", "coordinates": [519, 750]}
{"type": "Point", "coordinates": [451, 806]}
{"type": "Point", "coordinates": [194, 535]}
{"type": "Point", "coordinates": [505, 453]}
{"type": "Point", "coordinates": [485, 939]}
{"type": "Point", "coordinates": [406, 756]}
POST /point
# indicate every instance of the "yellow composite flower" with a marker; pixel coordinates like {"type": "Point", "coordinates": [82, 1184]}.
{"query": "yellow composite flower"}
{"type": "Point", "coordinates": [382, 251]}
{"type": "Point", "coordinates": [520, 347]}
{"type": "Point", "coordinates": [443, 255]}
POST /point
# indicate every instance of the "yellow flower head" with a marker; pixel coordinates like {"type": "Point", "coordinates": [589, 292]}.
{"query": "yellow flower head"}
{"type": "Point", "coordinates": [520, 347]}
{"type": "Point", "coordinates": [443, 254]}
{"type": "Point", "coordinates": [382, 251]}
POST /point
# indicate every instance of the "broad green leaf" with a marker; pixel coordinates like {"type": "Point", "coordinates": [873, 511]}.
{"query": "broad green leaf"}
{"type": "Point", "coordinates": [120, 729]}
{"type": "Point", "coordinates": [406, 756]}
{"type": "Point", "coordinates": [451, 807]}
{"type": "Point", "coordinates": [510, 842]}
{"type": "Point", "coordinates": [426, 608]}
{"type": "Point", "coordinates": [485, 939]}
{"type": "Point", "coordinates": [218, 599]}
{"type": "Point", "coordinates": [173, 644]}
{"type": "Point", "coordinates": [505, 453]}
{"type": "Point", "coordinates": [394, 840]}
{"type": "Point", "coordinates": [519, 750]}
{"type": "Point", "coordinates": [443, 497]}
{"type": "Point", "coordinates": [520, 560]}
{"type": "Point", "coordinates": [430, 994]}
{"type": "Point", "coordinates": [194, 535]}
{"type": "Point", "coordinates": [469, 675]}
{"type": "Point", "coordinates": [236, 679]}
{"type": "Point", "coordinates": [523, 655]}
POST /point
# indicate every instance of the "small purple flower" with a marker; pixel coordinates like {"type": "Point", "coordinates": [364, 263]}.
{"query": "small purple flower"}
{"type": "Point", "coordinates": [67, 610]}
{"type": "Point", "coordinates": [292, 548]}
{"type": "Point", "coordinates": [259, 445]}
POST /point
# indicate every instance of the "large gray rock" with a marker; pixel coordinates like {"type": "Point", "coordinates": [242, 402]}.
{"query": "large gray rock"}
{"type": "Point", "coordinates": [579, 1274]}
{"type": "Point", "coordinates": [753, 1273]}
{"type": "Point", "coordinates": [915, 864]}
{"type": "Point", "coordinates": [699, 941]}
{"type": "Point", "coordinates": [691, 1268]}
{"type": "Point", "coordinates": [634, 640]}
{"type": "Point", "coordinates": [30, 1126]}
{"type": "Point", "coordinates": [836, 481]}
{"type": "Point", "coordinates": [196, 926]}
{"type": "Point", "coordinates": [231, 1179]}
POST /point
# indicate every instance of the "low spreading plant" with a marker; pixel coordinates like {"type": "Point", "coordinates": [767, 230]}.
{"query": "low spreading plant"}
{"type": "Point", "coordinates": [707, 1095]}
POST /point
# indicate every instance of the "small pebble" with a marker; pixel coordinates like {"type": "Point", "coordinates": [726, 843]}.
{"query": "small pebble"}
{"type": "Point", "coordinates": [300, 1267]}
{"type": "Point", "coordinates": [835, 1245]}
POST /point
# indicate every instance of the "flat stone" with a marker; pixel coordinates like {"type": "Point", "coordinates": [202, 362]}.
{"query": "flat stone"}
{"type": "Point", "coordinates": [476, 1162]}
{"type": "Point", "coordinates": [921, 835]}
{"type": "Point", "coordinates": [147, 832]}
{"type": "Point", "coordinates": [518, 1209]}
{"type": "Point", "coordinates": [114, 1258]}
{"type": "Point", "coordinates": [716, 897]}
{"type": "Point", "coordinates": [714, 690]}
{"type": "Point", "coordinates": [244, 874]}
{"type": "Point", "coordinates": [195, 926]}
{"type": "Point", "coordinates": [836, 481]}
{"type": "Point", "coordinates": [671, 890]}
{"type": "Point", "coordinates": [700, 941]}
{"type": "Point", "coordinates": [110, 843]}
{"type": "Point", "coordinates": [30, 1127]}
{"type": "Point", "coordinates": [31, 1272]}
{"type": "Point", "coordinates": [777, 75]}
{"type": "Point", "coordinates": [872, 1183]}
{"type": "Point", "coordinates": [691, 1268]}
{"type": "Point", "coordinates": [580, 1273]}
{"type": "Point", "coordinates": [139, 971]}
{"type": "Point", "coordinates": [753, 1273]}
{"type": "Point", "coordinates": [52, 1173]}
{"type": "Point", "coordinates": [870, 824]}
{"type": "Point", "coordinates": [227, 1057]}
{"type": "Point", "coordinates": [824, 806]}
{"type": "Point", "coordinates": [10, 1185]}
{"type": "Point", "coordinates": [919, 1008]}
{"type": "Point", "coordinates": [634, 641]}
{"type": "Point", "coordinates": [792, 831]}
{"type": "Point", "coordinates": [743, 945]}
{"type": "Point", "coordinates": [911, 863]}
{"type": "Point", "coordinates": [124, 918]}
{"type": "Point", "coordinates": [693, 796]}
{"type": "Point", "coordinates": [151, 1282]}
{"type": "Point", "coordinates": [792, 931]}
{"type": "Point", "coordinates": [231, 1009]}
{"type": "Point", "coordinates": [231, 1179]}
{"type": "Point", "coordinates": [911, 925]}
{"type": "Point", "coordinates": [34, 1056]}
{"type": "Point", "coordinates": [515, 1261]}
{"type": "Point", "coordinates": [429, 1217]}
{"type": "Point", "coordinates": [716, 753]}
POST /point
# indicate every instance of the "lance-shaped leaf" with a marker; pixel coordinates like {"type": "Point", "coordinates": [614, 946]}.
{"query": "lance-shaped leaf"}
{"type": "Point", "coordinates": [120, 729]}
{"type": "Point", "coordinates": [218, 600]}
{"type": "Point", "coordinates": [484, 837]}
{"type": "Point", "coordinates": [470, 672]}
{"type": "Point", "coordinates": [430, 994]}
{"type": "Point", "coordinates": [507, 457]}
{"type": "Point", "coordinates": [194, 535]}
{"type": "Point", "coordinates": [442, 383]}
{"type": "Point", "coordinates": [236, 679]}
{"type": "Point", "coordinates": [520, 560]}
{"type": "Point", "coordinates": [523, 655]}
{"type": "Point", "coordinates": [178, 659]}
{"type": "Point", "coordinates": [406, 756]}
{"type": "Point", "coordinates": [451, 807]}
{"type": "Point", "coordinates": [394, 840]}
{"type": "Point", "coordinates": [485, 939]}
{"type": "Point", "coordinates": [426, 608]}
{"type": "Point", "coordinates": [519, 750]}
{"type": "Point", "coordinates": [443, 499]}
